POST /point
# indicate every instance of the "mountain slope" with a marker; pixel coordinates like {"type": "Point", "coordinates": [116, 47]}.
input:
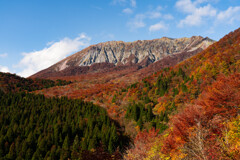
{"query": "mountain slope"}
{"type": "Point", "coordinates": [13, 83]}
{"type": "Point", "coordinates": [94, 81]}
{"type": "Point", "coordinates": [36, 127]}
{"type": "Point", "coordinates": [198, 100]}
{"type": "Point", "coordinates": [184, 82]}
{"type": "Point", "coordinates": [118, 53]}
{"type": "Point", "coordinates": [199, 71]}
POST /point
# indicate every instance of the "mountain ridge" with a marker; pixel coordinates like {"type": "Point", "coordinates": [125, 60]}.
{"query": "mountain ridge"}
{"type": "Point", "coordinates": [119, 53]}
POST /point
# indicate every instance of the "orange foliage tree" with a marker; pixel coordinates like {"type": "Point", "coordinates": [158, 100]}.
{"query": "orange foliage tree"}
{"type": "Point", "coordinates": [199, 126]}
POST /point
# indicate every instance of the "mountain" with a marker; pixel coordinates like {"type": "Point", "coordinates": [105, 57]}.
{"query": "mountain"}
{"type": "Point", "coordinates": [117, 54]}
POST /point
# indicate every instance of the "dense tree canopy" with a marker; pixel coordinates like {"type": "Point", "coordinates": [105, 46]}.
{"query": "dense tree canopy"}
{"type": "Point", "coordinates": [32, 126]}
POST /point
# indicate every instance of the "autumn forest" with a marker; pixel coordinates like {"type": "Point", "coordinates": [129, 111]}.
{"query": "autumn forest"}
{"type": "Point", "coordinates": [186, 109]}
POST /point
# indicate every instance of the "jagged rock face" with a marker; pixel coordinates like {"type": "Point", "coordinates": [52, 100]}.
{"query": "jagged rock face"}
{"type": "Point", "coordinates": [118, 52]}
{"type": "Point", "coordinates": [139, 52]}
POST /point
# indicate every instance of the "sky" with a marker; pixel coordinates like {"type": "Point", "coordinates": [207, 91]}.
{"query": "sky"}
{"type": "Point", "coordinates": [35, 34]}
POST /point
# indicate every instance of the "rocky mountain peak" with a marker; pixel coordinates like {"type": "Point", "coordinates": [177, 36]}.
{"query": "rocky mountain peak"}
{"type": "Point", "coordinates": [141, 52]}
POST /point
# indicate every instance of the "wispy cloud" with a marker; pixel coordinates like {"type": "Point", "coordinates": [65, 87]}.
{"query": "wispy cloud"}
{"type": "Point", "coordinates": [159, 8]}
{"type": "Point", "coordinates": [201, 11]}
{"type": "Point", "coordinates": [3, 55]}
{"type": "Point", "coordinates": [37, 60]}
{"type": "Point", "coordinates": [121, 2]}
{"type": "Point", "coordinates": [133, 3]}
{"type": "Point", "coordinates": [168, 16]}
{"type": "Point", "coordinates": [154, 14]}
{"type": "Point", "coordinates": [230, 15]}
{"type": "Point", "coordinates": [185, 6]}
{"type": "Point", "coordinates": [157, 27]}
{"type": "Point", "coordinates": [127, 11]}
{"type": "Point", "coordinates": [197, 17]}
{"type": "Point", "coordinates": [4, 69]}
{"type": "Point", "coordinates": [129, 4]}
{"type": "Point", "coordinates": [196, 14]}
{"type": "Point", "coordinates": [137, 22]}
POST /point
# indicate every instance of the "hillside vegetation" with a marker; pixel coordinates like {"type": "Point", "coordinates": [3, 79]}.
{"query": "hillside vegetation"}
{"type": "Point", "coordinates": [13, 83]}
{"type": "Point", "coordinates": [33, 126]}
{"type": "Point", "coordinates": [188, 111]}
{"type": "Point", "coordinates": [200, 100]}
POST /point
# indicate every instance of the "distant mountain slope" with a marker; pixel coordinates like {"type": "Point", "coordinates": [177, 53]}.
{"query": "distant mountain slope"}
{"type": "Point", "coordinates": [13, 83]}
{"type": "Point", "coordinates": [102, 56]}
{"type": "Point", "coordinates": [91, 86]}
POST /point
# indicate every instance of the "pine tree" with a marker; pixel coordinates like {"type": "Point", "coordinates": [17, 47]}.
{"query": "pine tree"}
{"type": "Point", "coordinates": [149, 113]}
{"type": "Point", "coordinates": [65, 145]}
{"type": "Point", "coordinates": [84, 145]}
{"type": "Point", "coordinates": [12, 152]}
{"type": "Point", "coordinates": [29, 153]}
{"type": "Point", "coordinates": [92, 143]}
{"type": "Point", "coordinates": [76, 143]}
{"type": "Point", "coordinates": [65, 148]}
{"type": "Point", "coordinates": [110, 146]}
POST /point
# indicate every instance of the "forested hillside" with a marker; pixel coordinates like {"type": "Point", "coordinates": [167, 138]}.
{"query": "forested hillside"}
{"type": "Point", "coordinates": [173, 87]}
{"type": "Point", "coordinates": [199, 102]}
{"type": "Point", "coordinates": [13, 83]}
{"type": "Point", "coordinates": [35, 127]}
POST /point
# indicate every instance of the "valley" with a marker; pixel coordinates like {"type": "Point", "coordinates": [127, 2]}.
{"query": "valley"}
{"type": "Point", "coordinates": [154, 99]}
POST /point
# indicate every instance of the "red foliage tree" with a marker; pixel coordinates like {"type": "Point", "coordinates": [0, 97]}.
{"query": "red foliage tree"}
{"type": "Point", "coordinates": [201, 123]}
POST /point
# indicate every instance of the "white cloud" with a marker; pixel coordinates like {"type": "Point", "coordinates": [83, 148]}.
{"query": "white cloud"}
{"type": "Point", "coordinates": [200, 11]}
{"type": "Point", "coordinates": [127, 11]}
{"type": "Point", "coordinates": [159, 8]}
{"type": "Point", "coordinates": [230, 15]}
{"type": "Point", "coordinates": [196, 15]}
{"type": "Point", "coordinates": [201, 1]}
{"type": "Point", "coordinates": [3, 55]}
{"type": "Point", "coordinates": [186, 6]}
{"type": "Point", "coordinates": [157, 27]}
{"type": "Point", "coordinates": [189, 6]}
{"type": "Point", "coordinates": [4, 69]}
{"type": "Point", "coordinates": [137, 22]}
{"type": "Point", "coordinates": [196, 18]}
{"type": "Point", "coordinates": [133, 3]}
{"type": "Point", "coordinates": [37, 60]}
{"type": "Point", "coordinates": [154, 14]}
{"type": "Point", "coordinates": [168, 16]}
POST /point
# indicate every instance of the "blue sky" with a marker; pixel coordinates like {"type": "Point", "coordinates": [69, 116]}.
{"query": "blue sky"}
{"type": "Point", "coordinates": [35, 34]}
